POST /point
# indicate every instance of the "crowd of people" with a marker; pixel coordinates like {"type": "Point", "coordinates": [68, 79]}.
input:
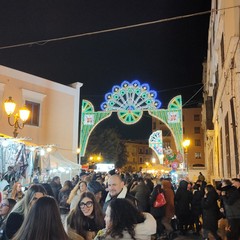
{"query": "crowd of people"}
{"type": "Point", "coordinates": [120, 206]}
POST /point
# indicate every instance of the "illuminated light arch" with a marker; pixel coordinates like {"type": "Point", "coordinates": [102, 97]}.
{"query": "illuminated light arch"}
{"type": "Point", "coordinates": [130, 100]}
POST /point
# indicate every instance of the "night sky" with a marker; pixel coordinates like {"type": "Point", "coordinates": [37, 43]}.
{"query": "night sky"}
{"type": "Point", "coordinates": [166, 55]}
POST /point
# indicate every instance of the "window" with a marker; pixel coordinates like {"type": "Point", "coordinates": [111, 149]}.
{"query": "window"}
{"type": "Point", "coordinates": [222, 51]}
{"type": "Point", "coordinates": [197, 142]}
{"type": "Point", "coordinates": [198, 155]}
{"type": "Point", "coordinates": [196, 117]}
{"type": "Point", "coordinates": [140, 151]}
{"type": "Point", "coordinates": [35, 113]}
{"type": "Point", "coordinates": [140, 160]}
{"type": "Point", "coordinates": [196, 129]}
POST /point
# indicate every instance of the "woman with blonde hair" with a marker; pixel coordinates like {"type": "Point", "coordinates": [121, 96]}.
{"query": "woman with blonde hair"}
{"type": "Point", "coordinates": [17, 193]}
{"type": "Point", "coordinates": [76, 193]}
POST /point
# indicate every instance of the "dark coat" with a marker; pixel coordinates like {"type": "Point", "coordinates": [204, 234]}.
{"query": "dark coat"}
{"type": "Point", "coordinates": [55, 188]}
{"type": "Point", "coordinates": [231, 203]}
{"type": "Point", "coordinates": [14, 222]}
{"type": "Point", "coordinates": [158, 213]}
{"type": "Point", "coordinates": [196, 203]}
{"type": "Point", "coordinates": [183, 199]}
{"type": "Point", "coordinates": [210, 211]}
{"type": "Point", "coordinates": [141, 192]}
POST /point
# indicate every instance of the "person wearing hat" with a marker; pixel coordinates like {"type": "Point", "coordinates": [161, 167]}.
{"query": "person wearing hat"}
{"type": "Point", "coordinates": [96, 188]}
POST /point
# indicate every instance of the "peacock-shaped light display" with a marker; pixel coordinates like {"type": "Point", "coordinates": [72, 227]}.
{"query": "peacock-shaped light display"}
{"type": "Point", "coordinates": [129, 100]}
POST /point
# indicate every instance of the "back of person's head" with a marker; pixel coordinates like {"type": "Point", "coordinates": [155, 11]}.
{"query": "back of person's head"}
{"type": "Point", "coordinates": [42, 222]}
{"type": "Point", "coordinates": [210, 188]}
{"type": "Point", "coordinates": [11, 203]}
{"type": "Point", "coordinates": [24, 204]}
{"type": "Point", "coordinates": [94, 187]}
{"type": "Point", "coordinates": [123, 216]}
{"type": "Point", "coordinates": [48, 189]}
{"type": "Point", "coordinates": [196, 186]}
{"type": "Point", "coordinates": [67, 185]}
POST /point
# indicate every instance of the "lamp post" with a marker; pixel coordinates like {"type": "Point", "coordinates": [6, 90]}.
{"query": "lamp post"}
{"type": "Point", "coordinates": [186, 144]}
{"type": "Point", "coordinates": [23, 114]}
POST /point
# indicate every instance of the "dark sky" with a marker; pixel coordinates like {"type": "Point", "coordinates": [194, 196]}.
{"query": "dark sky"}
{"type": "Point", "coordinates": [166, 55]}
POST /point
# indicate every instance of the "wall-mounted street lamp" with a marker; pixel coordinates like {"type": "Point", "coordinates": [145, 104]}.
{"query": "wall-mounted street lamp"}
{"type": "Point", "coordinates": [186, 144]}
{"type": "Point", "coordinates": [23, 114]}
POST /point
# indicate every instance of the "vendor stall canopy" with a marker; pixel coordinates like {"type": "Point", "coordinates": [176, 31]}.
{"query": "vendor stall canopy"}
{"type": "Point", "coordinates": [22, 159]}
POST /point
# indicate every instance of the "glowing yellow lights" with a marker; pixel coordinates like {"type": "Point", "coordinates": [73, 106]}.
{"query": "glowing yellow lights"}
{"type": "Point", "coordinates": [23, 114]}
{"type": "Point", "coordinates": [95, 158]}
{"type": "Point", "coordinates": [186, 143]}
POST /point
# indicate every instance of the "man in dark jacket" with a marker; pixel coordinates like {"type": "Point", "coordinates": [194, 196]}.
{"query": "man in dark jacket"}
{"type": "Point", "coordinates": [142, 193]}
{"type": "Point", "coordinates": [231, 201]}
{"type": "Point", "coordinates": [116, 189]}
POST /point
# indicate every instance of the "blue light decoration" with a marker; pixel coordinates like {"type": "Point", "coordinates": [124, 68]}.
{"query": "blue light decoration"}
{"type": "Point", "coordinates": [129, 100]}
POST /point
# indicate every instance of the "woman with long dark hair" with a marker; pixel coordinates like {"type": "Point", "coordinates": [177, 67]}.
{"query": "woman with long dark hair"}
{"type": "Point", "coordinates": [86, 219]}
{"type": "Point", "coordinates": [124, 221]}
{"type": "Point", "coordinates": [42, 222]}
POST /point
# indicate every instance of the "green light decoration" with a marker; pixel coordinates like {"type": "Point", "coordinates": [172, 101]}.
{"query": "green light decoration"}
{"type": "Point", "coordinates": [172, 117]}
{"type": "Point", "coordinates": [130, 100]}
{"type": "Point", "coordinates": [155, 142]}
{"type": "Point", "coordinates": [89, 120]}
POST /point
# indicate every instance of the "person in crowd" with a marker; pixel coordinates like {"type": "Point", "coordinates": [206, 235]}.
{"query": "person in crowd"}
{"type": "Point", "coordinates": [201, 177]}
{"type": "Point", "coordinates": [48, 189]}
{"type": "Point", "coordinates": [63, 197]}
{"type": "Point", "coordinates": [76, 193]}
{"type": "Point", "coordinates": [210, 212]}
{"type": "Point", "coordinates": [148, 181]}
{"type": "Point", "coordinates": [20, 210]}
{"type": "Point", "coordinates": [75, 180]}
{"type": "Point", "coordinates": [157, 212]}
{"type": "Point", "coordinates": [169, 208]}
{"type": "Point", "coordinates": [17, 193]}
{"type": "Point", "coordinates": [196, 208]}
{"type": "Point", "coordinates": [124, 221]}
{"type": "Point", "coordinates": [86, 219]}
{"type": "Point", "coordinates": [183, 199]}
{"type": "Point", "coordinates": [96, 188]}
{"type": "Point", "coordinates": [6, 207]}
{"type": "Point", "coordinates": [116, 189]}
{"type": "Point", "coordinates": [142, 193]}
{"type": "Point", "coordinates": [42, 222]}
{"type": "Point", "coordinates": [231, 201]}
{"type": "Point", "coordinates": [222, 222]}
{"type": "Point", "coordinates": [56, 186]}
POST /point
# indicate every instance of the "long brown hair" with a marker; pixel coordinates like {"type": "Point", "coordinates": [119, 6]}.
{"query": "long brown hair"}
{"type": "Point", "coordinates": [15, 194]}
{"type": "Point", "coordinates": [77, 220]}
{"type": "Point", "coordinates": [42, 222]}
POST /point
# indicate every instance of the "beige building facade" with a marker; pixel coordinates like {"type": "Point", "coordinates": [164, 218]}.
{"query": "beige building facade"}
{"type": "Point", "coordinates": [55, 110]}
{"type": "Point", "coordinates": [221, 79]}
{"type": "Point", "coordinates": [138, 156]}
